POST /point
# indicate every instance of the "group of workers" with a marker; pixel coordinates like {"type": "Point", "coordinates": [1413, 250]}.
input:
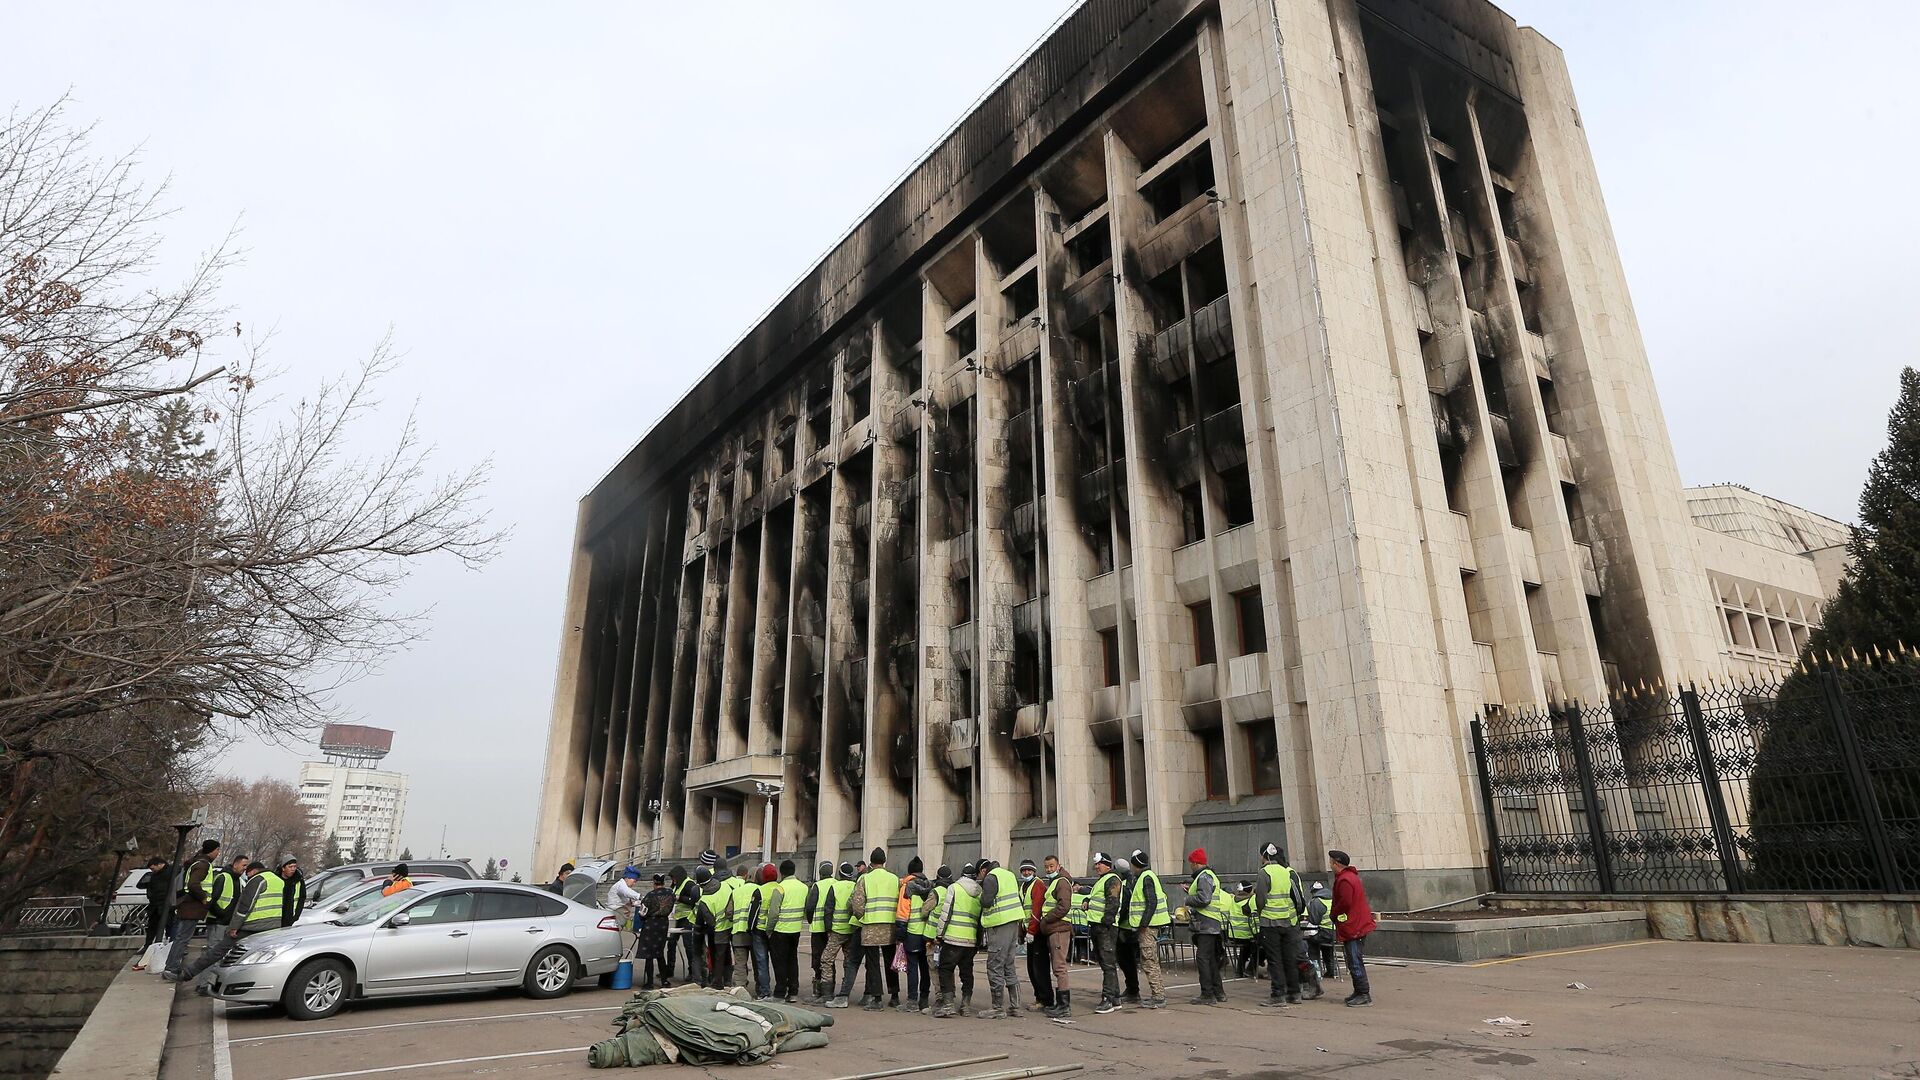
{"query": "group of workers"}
{"type": "Point", "coordinates": [743, 928]}
{"type": "Point", "coordinates": [235, 898]}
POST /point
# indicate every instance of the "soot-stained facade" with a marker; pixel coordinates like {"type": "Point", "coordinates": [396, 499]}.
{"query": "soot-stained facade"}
{"type": "Point", "coordinates": [1241, 399]}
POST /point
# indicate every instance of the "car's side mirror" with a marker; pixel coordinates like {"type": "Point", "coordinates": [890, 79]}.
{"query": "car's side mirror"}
{"type": "Point", "coordinates": [399, 920]}
{"type": "Point", "coordinates": [340, 909]}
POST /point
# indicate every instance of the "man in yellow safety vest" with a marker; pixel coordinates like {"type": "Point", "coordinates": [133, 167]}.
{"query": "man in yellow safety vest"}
{"type": "Point", "coordinates": [956, 926]}
{"type": "Point", "coordinates": [842, 939]}
{"type": "Point", "coordinates": [1003, 915]}
{"type": "Point", "coordinates": [786, 919]}
{"type": "Point", "coordinates": [876, 897]}
{"type": "Point", "coordinates": [1147, 913]}
{"type": "Point", "coordinates": [1279, 900]}
{"type": "Point", "coordinates": [817, 927]}
{"type": "Point", "coordinates": [1209, 913]}
{"type": "Point", "coordinates": [1103, 918]}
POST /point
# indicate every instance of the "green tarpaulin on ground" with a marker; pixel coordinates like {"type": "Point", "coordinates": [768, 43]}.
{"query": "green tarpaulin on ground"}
{"type": "Point", "coordinates": [706, 1027]}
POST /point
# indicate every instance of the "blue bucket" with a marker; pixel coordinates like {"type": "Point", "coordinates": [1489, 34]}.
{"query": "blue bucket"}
{"type": "Point", "coordinates": [623, 976]}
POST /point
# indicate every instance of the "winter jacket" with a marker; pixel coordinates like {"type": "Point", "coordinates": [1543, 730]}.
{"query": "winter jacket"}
{"type": "Point", "coordinates": [1352, 918]}
{"type": "Point", "coordinates": [1058, 898]}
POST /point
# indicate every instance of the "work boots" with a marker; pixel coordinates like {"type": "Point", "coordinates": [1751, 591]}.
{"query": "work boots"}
{"type": "Point", "coordinates": [943, 1008]}
{"type": "Point", "coordinates": [1013, 1003]}
{"type": "Point", "coordinates": [966, 1005]}
{"type": "Point", "coordinates": [997, 1012]}
{"type": "Point", "coordinates": [912, 1005]}
{"type": "Point", "coordinates": [1062, 1005]}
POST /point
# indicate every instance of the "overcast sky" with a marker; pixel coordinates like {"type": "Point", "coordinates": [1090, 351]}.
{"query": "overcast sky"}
{"type": "Point", "coordinates": [566, 212]}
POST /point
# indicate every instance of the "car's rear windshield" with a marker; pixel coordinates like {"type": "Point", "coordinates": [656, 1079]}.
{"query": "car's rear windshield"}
{"type": "Point", "coordinates": [382, 908]}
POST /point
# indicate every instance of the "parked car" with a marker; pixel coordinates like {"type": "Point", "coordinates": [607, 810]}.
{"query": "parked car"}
{"type": "Point", "coordinates": [335, 879]}
{"type": "Point", "coordinates": [437, 936]}
{"type": "Point", "coordinates": [356, 896]}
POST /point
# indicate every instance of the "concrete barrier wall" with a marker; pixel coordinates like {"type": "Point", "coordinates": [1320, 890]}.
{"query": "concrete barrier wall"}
{"type": "Point", "coordinates": [1883, 921]}
{"type": "Point", "coordinates": [48, 986]}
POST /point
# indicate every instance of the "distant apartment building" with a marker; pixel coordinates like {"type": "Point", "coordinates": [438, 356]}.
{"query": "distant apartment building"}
{"type": "Point", "coordinates": [1771, 566]}
{"type": "Point", "coordinates": [348, 798]}
{"type": "Point", "coordinates": [1235, 404]}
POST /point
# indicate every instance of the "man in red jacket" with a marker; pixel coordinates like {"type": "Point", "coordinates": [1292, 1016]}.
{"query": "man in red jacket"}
{"type": "Point", "coordinates": [1352, 922]}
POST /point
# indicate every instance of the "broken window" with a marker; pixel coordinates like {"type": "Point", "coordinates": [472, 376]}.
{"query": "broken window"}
{"type": "Point", "coordinates": [1202, 616]}
{"type": "Point", "coordinates": [1214, 743]}
{"type": "Point", "coordinates": [1110, 656]}
{"type": "Point", "coordinates": [1253, 621]}
{"type": "Point", "coordinates": [1193, 519]}
{"type": "Point", "coordinates": [1263, 757]}
{"type": "Point", "coordinates": [1236, 491]}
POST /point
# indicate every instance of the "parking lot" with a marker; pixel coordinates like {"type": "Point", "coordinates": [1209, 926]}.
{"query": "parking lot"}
{"type": "Point", "coordinates": [1649, 1009]}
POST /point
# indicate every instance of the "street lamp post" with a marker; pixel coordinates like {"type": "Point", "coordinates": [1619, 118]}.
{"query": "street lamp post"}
{"type": "Point", "coordinates": [120, 853]}
{"type": "Point", "coordinates": [769, 792]}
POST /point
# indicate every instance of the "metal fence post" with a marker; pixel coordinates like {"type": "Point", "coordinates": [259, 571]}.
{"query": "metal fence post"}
{"type": "Point", "coordinates": [1863, 791]}
{"type": "Point", "coordinates": [1596, 826]}
{"type": "Point", "coordinates": [1730, 870]}
{"type": "Point", "coordinates": [1494, 870]}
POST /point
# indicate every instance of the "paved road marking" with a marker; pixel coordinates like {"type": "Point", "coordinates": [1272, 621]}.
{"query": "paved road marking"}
{"type": "Point", "coordinates": [420, 1023]}
{"type": "Point", "coordinates": [222, 1056]}
{"type": "Point", "coordinates": [1561, 952]}
{"type": "Point", "coordinates": [449, 1061]}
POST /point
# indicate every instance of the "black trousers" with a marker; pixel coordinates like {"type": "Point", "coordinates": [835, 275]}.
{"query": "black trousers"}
{"type": "Point", "coordinates": [1106, 954]}
{"type": "Point", "coordinates": [720, 970]}
{"type": "Point", "coordinates": [879, 958]}
{"type": "Point", "coordinates": [956, 958]}
{"type": "Point", "coordinates": [157, 918]}
{"type": "Point", "coordinates": [819, 944]}
{"type": "Point", "coordinates": [786, 964]}
{"type": "Point", "coordinates": [1283, 959]}
{"type": "Point", "coordinates": [695, 944]}
{"type": "Point", "coordinates": [1040, 972]}
{"type": "Point", "coordinates": [1208, 953]}
{"type": "Point", "coordinates": [1127, 956]}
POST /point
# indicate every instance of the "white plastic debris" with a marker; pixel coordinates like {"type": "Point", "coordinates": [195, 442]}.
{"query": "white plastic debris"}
{"type": "Point", "coordinates": [1506, 1021]}
{"type": "Point", "coordinates": [1576, 986]}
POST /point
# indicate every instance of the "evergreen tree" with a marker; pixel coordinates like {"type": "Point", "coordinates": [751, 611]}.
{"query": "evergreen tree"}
{"type": "Point", "coordinates": [516, 878]}
{"type": "Point", "coordinates": [1878, 602]}
{"type": "Point", "coordinates": [330, 851]}
{"type": "Point", "coordinates": [406, 854]}
{"type": "Point", "coordinates": [492, 872]}
{"type": "Point", "coordinates": [359, 852]}
{"type": "Point", "coordinates": [1807, 822]}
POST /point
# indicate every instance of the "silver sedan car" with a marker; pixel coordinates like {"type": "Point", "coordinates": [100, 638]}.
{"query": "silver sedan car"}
{"type": "Point", "coordinates": [437, 936]}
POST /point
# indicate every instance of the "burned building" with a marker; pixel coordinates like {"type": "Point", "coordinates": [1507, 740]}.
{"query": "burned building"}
{"type": "Point", "coordinates": [1236, 402]}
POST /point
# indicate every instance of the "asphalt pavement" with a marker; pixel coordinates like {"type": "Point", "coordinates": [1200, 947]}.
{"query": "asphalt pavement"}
{"type": "Point", "coordinates": [1643, 1009]}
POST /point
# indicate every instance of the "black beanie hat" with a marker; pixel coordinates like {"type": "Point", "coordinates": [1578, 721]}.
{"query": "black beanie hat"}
{"type": "Point", "coordinates": [786, 867]}
{"type": "Point", "coordinates": [915, 866]}
{"type": "Point", "coordinates": [878, 857]}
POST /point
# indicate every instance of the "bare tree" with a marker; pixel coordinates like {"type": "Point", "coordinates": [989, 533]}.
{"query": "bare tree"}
{"type": "Point", "coordinates": [262, 818]}
{"type": "Point", "coordinates": [182, 559]}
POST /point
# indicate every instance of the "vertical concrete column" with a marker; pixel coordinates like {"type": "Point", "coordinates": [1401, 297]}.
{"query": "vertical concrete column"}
{"type": "Point", "coordinates": [1632, 496]}
{"type": "Point", "coordinates": [940, 702]}
{"type": "Point", "coordinates": [736, 641]}
{"type": "Point", "coordinates": [673, 825]}
{"type": "Point", "coordinates": [770, 622]}
{"type": "Point", "coordinates": [839, 807]}
{"type": "Point", "coordinates": [1562, 589]}
{"type": "Point", "coordinates": [652, 786]}
{"type": "Point", "coordinates": [646, 622]}
{"type": "Point", "coordinates": [1003, 795]}
{"type": "Point", "coordinates": [1075, 646]}
{"type": "Point", "coordinates": [561, 782]}
{"type": "Point", "coordinates": [795, 741]}
{"type": "Point", "coordinates": [1381, 741]}
{"type": "Point", "coordinates": [1446, 598]}
{"type": "Point", "coordinates": [1293, 737]}
{"type": "Point", "coordinates": [884, 809]}
{"type": "Point", "coordinates": [1175, 769]}
{"type": "Point", "coordinates": [1489, 521]}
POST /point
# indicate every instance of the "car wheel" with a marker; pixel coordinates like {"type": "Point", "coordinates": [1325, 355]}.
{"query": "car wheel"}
{"type": "Point", "coordinates": [317, 990]}
{"type": "Point", "coordinates": [551, 973]}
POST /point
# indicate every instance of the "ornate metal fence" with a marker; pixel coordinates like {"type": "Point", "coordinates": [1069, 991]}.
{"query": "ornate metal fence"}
{"type": "Point", "coordinates": [1808, 783]}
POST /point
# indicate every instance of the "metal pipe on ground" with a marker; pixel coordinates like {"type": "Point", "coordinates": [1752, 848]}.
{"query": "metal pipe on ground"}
{"type": "Point", "coordinates": [1017, 1074]}
{"type": "Point", "coordinates": [926, 1068]}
